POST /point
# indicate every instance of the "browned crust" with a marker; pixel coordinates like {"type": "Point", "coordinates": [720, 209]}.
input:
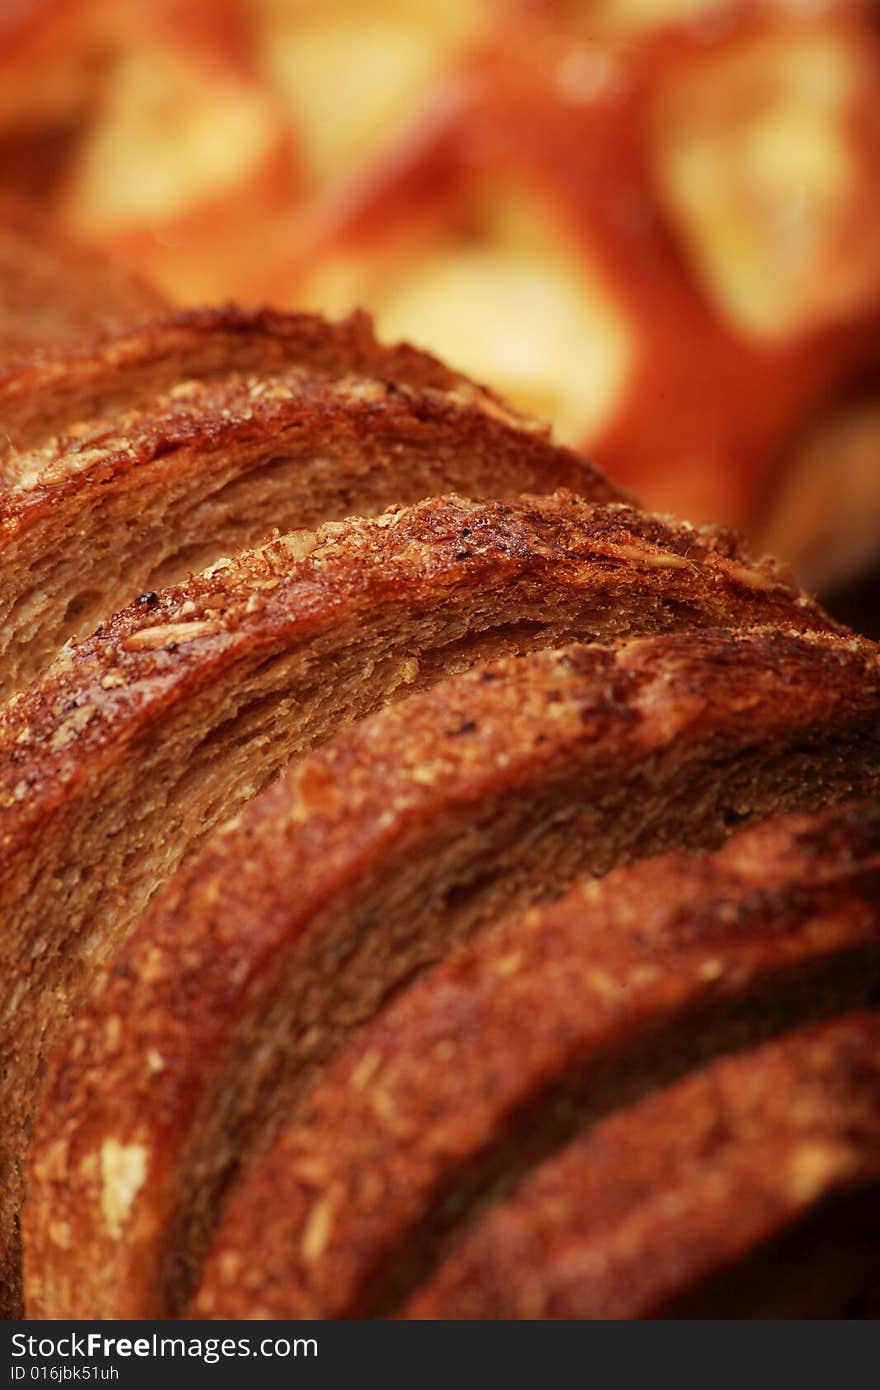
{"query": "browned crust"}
{"type": "Point", "coordinates": [141, 499]}
{"type": "Point", "coordinates": [636, 572]}
{"type": "Point", "coordinates": [125, 370]}
{"type": "Point", "coordinates": [460, 1082]}
{"type": "Point", "coordinates": [154, 711]}
{"type": "Point", "coordinates": [626, 734]}
{"type": "Point", "coordinates": [685, 1185]}
{"type": "Point", "coordinates": [54, 291]}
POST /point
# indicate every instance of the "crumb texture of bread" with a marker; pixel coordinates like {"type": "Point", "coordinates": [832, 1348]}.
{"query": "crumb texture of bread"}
{"type": "Point", "coordinates": [143, 496]}
{"type": "Point", "coordinates": [116, 764]}
{"type": "Point", "coordinates": [751, 1189]}
{"type": "Point", "coordinates": [54, 292]}
{"type": "Point", "coordinates": [502, 1054]}
{"type": "Point", "coordinates": [406, 835]}
{"type": "Point", "coordinates": [422, 871]}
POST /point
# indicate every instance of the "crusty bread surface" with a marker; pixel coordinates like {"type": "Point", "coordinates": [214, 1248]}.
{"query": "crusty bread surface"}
{"type": "Point", "coordinates": [142, 499]}
{"type": "Point", "coordinates": [420, 828]}
{"type": "Point", "coordinates": [430, 886]}
{"type": "Point", "coordinates": [751, 1189]}
{"type": "Point", "coordinates": [123, 371]}
{"type": "Point", "coordinates": [510, 1049]}
{"type": "Point", "coordinates": [116, 764]}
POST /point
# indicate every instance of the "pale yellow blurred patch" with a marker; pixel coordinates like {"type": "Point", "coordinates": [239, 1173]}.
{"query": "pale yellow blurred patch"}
{"type": "Point", "coordinates": [755, 159]}
{"type": "Point", "coordinates": [168, 139]}
{"type": "Point", "coordinates": [350, 72]}
{"type": "Point", "coordinates": [511, 303]}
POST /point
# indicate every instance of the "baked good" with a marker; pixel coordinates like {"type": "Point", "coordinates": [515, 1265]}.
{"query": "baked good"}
{"type": "Point", "coordinates": [54, 291]}
{"type": "Point", "coordinates": [141, 498]}
{"type": "Point", "coordinates": [651, 185]}
{"type": "Point", "coordinates": [145, 124]}
{"type": "Point", "coordinates": [649, 685]}
{"type": "Point", "coordinates": [235, 665]}
{"type": "Point", "coordinates": [468, 1085]}
{"type": "Point", "coordinates": [125, 370]}
{"type": "Point", "coordinates": [679, 199]}
{"type": "Point", "coordinates": [710, 1199]}
{"type": "Point", "coordinates": [187, 702]}
{"type": "Point", "coordinates": [516, 1047]}
{"type": "Point", "coordinates": [424, 825]}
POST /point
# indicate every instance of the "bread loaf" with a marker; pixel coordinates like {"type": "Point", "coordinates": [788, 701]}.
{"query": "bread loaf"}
{"type": "Point", "coordinates": [497, 1058]}
{"type": "Point", "coordinates": [142, 499]}
{"type": "Point", "coordinates": [188, 702]}
{"type": "Point", "coordinates": [417, 829]}
{"type": "Point", "coordinates": [197, 695]}
{"type": "Point", "coordinates": [125, 370]}
{"type": "Point", "coordinates": [748, 1190]}
{"type": "Point", "coordinates": [54, 291]}
{"type": "Point", "coordinates": [367, 1014]}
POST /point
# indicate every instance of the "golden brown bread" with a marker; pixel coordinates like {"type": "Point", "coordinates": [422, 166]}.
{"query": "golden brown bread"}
{"type": "Point", "coordinates": [749, 1190]}
{"type": "Point", "coordinates": [365, 607]}
{"type": "Point", "coordinates": [500, 1056]}
{"type": "Point", "coordinates": [422, 826]}
{"type": "Point", "coordinates": [54, 292]}
{"type": "Point", "coordinates": [143, 498]}
{"type": "Point", "coordinates": [124, 370]}
{"type": "Point", "coordinates": [118, 762]}
{"type": "Point", "coordinates": [156, 449]}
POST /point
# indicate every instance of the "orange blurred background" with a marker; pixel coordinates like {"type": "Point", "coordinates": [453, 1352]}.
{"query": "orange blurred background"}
{"type": "Point", "coordinates": [654, 222]}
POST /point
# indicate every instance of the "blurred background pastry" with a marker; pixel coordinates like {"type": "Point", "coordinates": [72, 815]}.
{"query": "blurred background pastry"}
{"type": "Point", "coordinates": [654, 222]}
